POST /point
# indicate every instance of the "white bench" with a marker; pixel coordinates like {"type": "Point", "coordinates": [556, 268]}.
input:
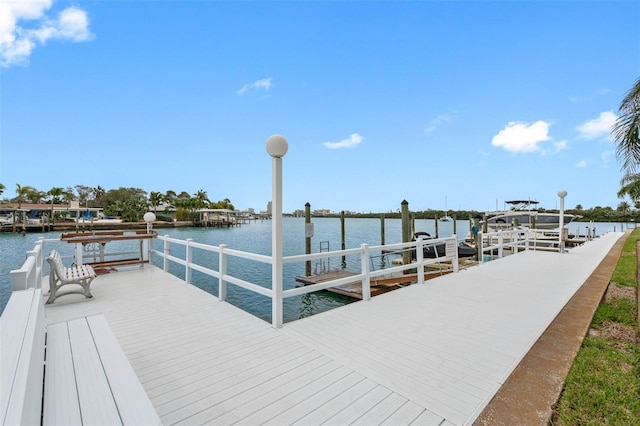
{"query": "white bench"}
{"type": "Point", "coordinates": [61, 275]}
{"type": "Point", "coordinates": [87, 377]}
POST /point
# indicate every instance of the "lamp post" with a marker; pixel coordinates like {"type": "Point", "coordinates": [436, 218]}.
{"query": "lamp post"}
{"type": "Point", "coordinates": [277, 147]}
{"type": "Point", "coordinates": [562, 193]}
{"type": "Point", "coordinates": [145, 247]}
{"type": "Point", "coordinates": [149, 217]}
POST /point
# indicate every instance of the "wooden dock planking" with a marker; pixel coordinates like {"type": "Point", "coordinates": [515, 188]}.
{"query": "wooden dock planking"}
{"type": "Point", "coordinates": [379, 285]}
{"type": "Point", "coordinates": [425, 354]}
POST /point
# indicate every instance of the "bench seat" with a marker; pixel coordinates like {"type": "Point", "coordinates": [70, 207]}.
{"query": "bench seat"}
{"type": "Point", "coordinates": [88, 379]}
{"type": "Point", "coordinates": [60, 275]}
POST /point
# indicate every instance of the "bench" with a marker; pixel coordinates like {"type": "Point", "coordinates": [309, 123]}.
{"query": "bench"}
{"type": "Point", "coordinates": [61, 276]}
{"type": "Point", "coordinates": [87, 377]}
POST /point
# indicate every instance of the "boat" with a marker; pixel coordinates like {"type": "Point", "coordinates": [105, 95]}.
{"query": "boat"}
{"type": "Point", "coordinates": [523, 213]}
{"type": "Point", "coordinates": [438, 250]}
{"type": "Point", "coordinates": [6, 219]}
{"type": "Point", "coordinates": [446, 217]}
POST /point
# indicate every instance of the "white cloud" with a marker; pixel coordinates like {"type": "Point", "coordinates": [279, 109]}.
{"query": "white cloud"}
{"type": "Point", "coordinates": [436, 122]}
{"type": "Point", "coordinates": [264, 84]}
{"type": "Point", "coordinates": [582, 163]}
{"type": "Point", "coordinates": [353, 141]}
{"type": "Point", "coordinates": [522, 137]}
{"type": "Point", "coordinates": [17, 42]}
{"type": "Point", "coordinates": [598, 127]}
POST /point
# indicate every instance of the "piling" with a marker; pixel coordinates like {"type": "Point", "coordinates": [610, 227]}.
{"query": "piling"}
{"type": "Point", "coordinates": [455, 227]}
{"type": "Point", "coordinates": [406, 230]}
{"type": "Point", "coordinates": [382, 229]}
{"type": "Point", "coordinates": [307, 240]}
{"type": "Point", "coordinates": [436, 225]}
{"type": "Point", "coordinates": [344, 246]}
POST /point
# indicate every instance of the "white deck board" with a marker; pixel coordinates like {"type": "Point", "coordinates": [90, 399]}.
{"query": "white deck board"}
{"type": "Point", "coordinates": [426, 355]}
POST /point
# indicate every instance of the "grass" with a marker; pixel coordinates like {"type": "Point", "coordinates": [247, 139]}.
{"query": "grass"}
{"type": "Point", "coordinates": [603, 385]}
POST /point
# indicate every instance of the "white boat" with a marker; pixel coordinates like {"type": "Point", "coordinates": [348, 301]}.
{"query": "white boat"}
{"type": "Point", "coordinates": [6, 219]}
{"type": "Point", "coordinates": [522, 213]}
{"type": "Point", "coordinates": [446, 217]}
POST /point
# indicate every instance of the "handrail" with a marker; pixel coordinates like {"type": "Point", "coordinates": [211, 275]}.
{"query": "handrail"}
{"type": "Point", "coordinates": [31, 272]}
{"type": "Point", "coordinates": [363, 252]}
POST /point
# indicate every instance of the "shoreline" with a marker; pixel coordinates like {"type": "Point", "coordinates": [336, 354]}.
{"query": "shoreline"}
{"type": "Point", "coordinates": [94, 226]}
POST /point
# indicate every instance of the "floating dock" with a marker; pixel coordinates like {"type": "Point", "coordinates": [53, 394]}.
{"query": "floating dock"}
{"type": "Point", "coordinates": [378, 285]}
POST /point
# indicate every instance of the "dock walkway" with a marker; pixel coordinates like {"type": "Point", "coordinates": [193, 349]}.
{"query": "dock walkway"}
{"type": "Point", "coordinates": [425, 354]}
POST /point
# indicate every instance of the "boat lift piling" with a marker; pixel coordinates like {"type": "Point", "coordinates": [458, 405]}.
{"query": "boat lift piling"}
{"type": "Point", "coordinates": [343, 239]}
{"type": "Point", "coordinates": [406, 230]}
{"type": "Point", "coordinates": [308, 234]}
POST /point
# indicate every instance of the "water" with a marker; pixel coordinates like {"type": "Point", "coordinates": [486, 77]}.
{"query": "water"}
{"type": "Point", "coordinates": [256, 238]}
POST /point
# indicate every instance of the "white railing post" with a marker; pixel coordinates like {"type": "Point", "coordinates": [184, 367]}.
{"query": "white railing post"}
{"type": "Point", "coordinates": [420, 260]}
{"type": "Point", "coordinates": [366, 279]}
{"type": "Point", "coordinates": [526, 240]}
{"type": "Point", "coordinates": [188, 259]}
{"type": "Point", "coordinates": [516, 240]}
{"type": "Point", "coordinates": [40, 261]}
{"type": "Point", "coordinates": [33, 281]}
{"type": "Point", "coordinates": [79, 254]}
{"type": "Point", "coordinates": [165, 263]}
{"type": "Point", "coordinates": [500, 242]}
{"type": "Point", "coordinates": [146, 250]}
{"type": "Point", "coordinates": [222, 267]}
{"type": "Point", "coordinates": [479, 249]}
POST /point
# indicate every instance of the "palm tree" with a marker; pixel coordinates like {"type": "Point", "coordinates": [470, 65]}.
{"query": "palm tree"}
{"type": "Point", "coordinates": [170, 196]}
{"type": "Point", "coordinates": [22, 193]}
{"type": "Point", "coordinates": [155, 199]}
{"type": "Point", "coordinates": [2, 188]}
{"type": "Point", "coordinates": [98, 193]}
{"type": "Point", "coordinates": [55, 193]}
{"type": "Point", "coordinates": [626, 130]}
{"type": "Point", "coordinates": [202, 199]}
{"type": "Point", "coordinates": [630, 184]}
{"type": "Point", "coordinates": [623, 207]}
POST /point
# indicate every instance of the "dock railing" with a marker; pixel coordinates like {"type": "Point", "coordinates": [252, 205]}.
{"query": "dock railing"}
{"type": "Point", "coordinates": [214, 261]}
{"type": "Point", "coordinates": [497, 244]}
{"type": "Point", "coordinates": [365, 274]}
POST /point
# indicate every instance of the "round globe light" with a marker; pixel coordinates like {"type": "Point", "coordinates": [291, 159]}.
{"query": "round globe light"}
{"type": "Point", "coordinates": [562, 193]}
{"type": "Point", "coordinates": [277, 146]}
{"type": "Point", "coordinates": [149, 217]}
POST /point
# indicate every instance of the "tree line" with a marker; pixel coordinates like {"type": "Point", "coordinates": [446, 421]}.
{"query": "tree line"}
{"type": "Point", "coordinates": [623, 213]}
{"type": "Point", "coordinates": [130, 204]}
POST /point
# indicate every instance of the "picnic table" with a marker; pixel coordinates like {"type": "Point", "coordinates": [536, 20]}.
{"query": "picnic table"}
{"type": "Point", "coordinates": [100, 239]}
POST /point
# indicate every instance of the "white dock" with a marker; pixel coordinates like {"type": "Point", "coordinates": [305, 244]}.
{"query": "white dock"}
{"type": "Point", "coordinates": [426, 354]}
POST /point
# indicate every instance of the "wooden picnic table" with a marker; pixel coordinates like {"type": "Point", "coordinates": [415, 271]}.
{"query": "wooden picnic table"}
{"type": "Point", "coordinates": [82, 239]}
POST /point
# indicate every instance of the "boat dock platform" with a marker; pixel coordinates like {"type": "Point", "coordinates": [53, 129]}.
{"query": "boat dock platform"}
{"type": "Point", "coordinates": [378, 285]}
{"type": "Point", "coordinates": [429, 354]}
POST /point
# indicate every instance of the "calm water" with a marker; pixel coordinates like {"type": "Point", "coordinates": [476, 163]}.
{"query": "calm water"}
{"type": "Point", "coordinates": [256, 238]}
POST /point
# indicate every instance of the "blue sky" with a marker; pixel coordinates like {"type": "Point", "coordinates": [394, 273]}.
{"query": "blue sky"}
{"type": "Point", "coordinates": [469, 102]}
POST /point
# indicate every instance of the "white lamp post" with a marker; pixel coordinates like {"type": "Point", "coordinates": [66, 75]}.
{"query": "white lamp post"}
{"type": "Point", "coordinates": [277, 147]}
{"type": "Point", "coordinates": [149, 217]}
{"type": "Point", "coordinates": [562, 193]}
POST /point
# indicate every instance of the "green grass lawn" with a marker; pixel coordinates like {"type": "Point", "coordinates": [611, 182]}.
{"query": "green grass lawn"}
{"type": "Point", "coordinates": [603, 385]}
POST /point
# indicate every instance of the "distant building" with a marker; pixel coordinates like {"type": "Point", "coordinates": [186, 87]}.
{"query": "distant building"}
{"type": "Point", "coordinates": [321, 212]}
